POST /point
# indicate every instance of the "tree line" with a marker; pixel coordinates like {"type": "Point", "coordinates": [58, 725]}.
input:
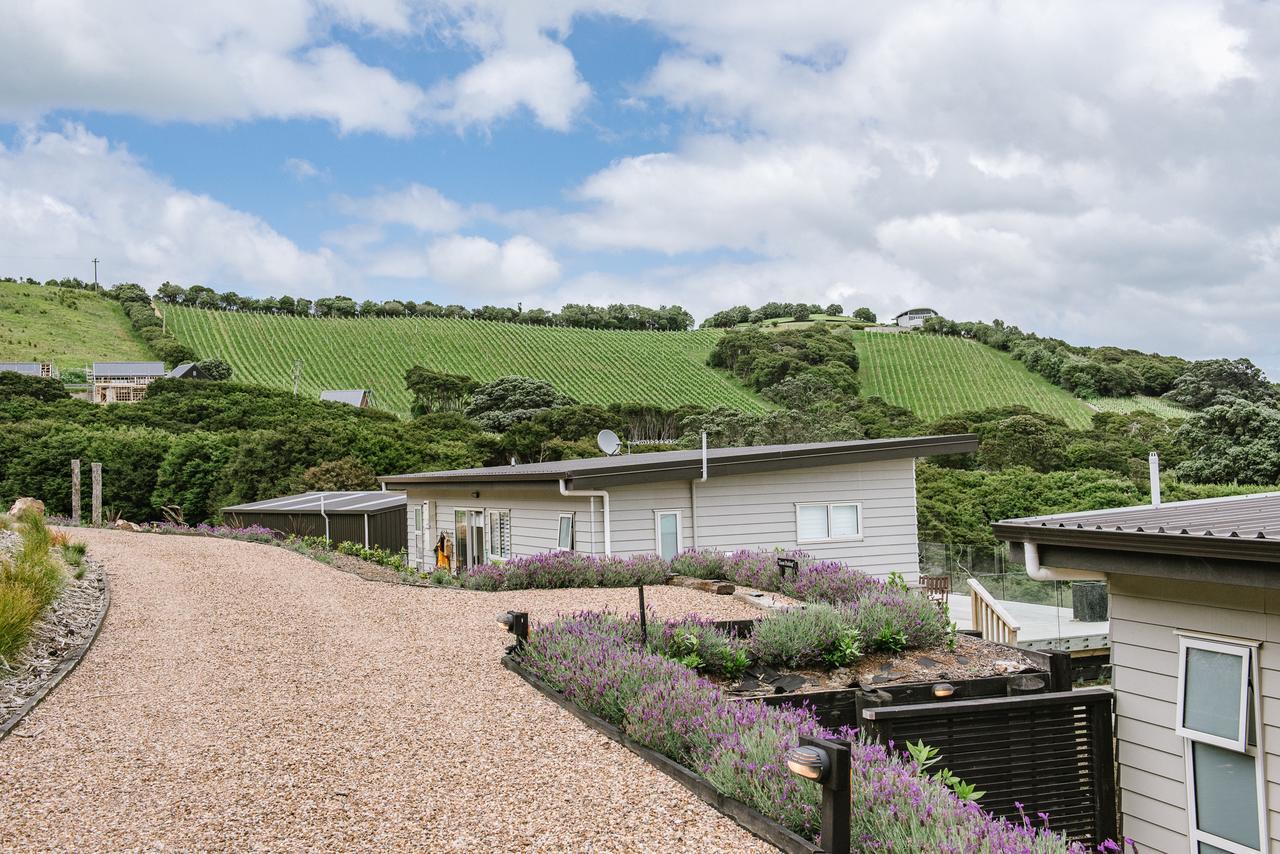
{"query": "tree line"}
{"type": "Point", "coordinates": [743, 314]}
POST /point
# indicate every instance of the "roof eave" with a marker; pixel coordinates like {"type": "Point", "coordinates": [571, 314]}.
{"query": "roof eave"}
{"type": "Point", "coordinates": [1190, 545]}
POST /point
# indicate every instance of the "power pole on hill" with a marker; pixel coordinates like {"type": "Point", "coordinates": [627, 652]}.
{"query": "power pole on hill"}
{"type": "Point", "coordinates": [95, 274]}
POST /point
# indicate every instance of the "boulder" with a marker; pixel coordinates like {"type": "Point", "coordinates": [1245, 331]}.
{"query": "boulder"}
{"type": "Point", "coordinates": [23, 505]}
{"type": "Point", "coordinates": [126, 525]}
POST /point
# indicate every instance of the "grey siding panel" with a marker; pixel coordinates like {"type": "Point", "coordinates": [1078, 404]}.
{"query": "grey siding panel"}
{"type": "Point", "coordinates": [1145, 614]}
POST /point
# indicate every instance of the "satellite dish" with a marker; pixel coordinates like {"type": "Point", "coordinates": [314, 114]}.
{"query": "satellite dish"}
{"type": "Point", "coordinates": [609, 442]}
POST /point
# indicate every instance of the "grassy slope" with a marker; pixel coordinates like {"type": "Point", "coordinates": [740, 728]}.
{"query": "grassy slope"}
{"type": "Point", "coordinates": [594, 366]}
{"type": "Point", "coordinates": [937, 376]}
{"type": "Point", "coordinates": [35, 325]}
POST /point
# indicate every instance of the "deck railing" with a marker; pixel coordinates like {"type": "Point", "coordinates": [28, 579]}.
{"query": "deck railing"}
{"type": "Point", "coordinates": [990, 617]}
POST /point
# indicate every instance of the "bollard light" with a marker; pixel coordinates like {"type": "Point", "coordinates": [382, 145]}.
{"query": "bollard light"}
{"type": "Point", "coordinates": [811, 763]}
{"type": "Point", "coordinates": [517, 623]}
{"type": "Point", "coordinates": [829, 764]}
{"type": "Point", "coordinates": [942, 690]}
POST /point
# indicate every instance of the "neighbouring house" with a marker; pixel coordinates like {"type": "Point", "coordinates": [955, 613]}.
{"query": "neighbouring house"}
{"type": "Point", "coordinates": [914, 317]}
{"type": "Point", "coordinates": [369, 518]}
{"type": "Point", "coordinates": [122, 382]}
{"type": "Point", "coordinates": [360, 397]}
{"type": "Point", "coordinates": [1195, 651]}
{"type": "Point", "coordinates": [186, 371]}
{"type": "Point", "coordinates": [31, 369]}
{"type": "Point", "coordinates": [852, 501]}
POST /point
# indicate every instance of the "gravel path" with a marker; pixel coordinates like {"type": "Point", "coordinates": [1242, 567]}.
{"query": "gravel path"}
{"type": "Point", "coordinates": [244, 697]}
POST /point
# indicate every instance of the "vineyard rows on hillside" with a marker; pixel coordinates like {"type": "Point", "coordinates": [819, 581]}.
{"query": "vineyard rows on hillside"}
{"type": "Point", "coordinates": [936, 376]}
{"type": "Point", "coordinates": [595, 366]}
{"type": "Point", "coordinates": [1154, 405]}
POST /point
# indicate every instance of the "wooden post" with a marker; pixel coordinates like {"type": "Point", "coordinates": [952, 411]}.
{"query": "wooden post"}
{"type": "Point", "coordinates": [75, 493]}
{"type": "Point", "coordinates": [96, 498]}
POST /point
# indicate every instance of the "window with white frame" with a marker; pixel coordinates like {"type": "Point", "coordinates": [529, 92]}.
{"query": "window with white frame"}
{"type": "Point", "coordinates": [816, 523]}
{"type": "Point", "coordinates": [667, 533]}
{"type": "Point", "coordinates": [1217, 714]}
{"type": "Point", "coordinates": [565, 541]}
{"type": "Point", "coordinates": [499, 524]}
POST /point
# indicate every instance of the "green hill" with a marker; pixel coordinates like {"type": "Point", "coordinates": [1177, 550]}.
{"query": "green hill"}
{"type": "Point", "coordinates": [595, 366]}
{"type": "Point", "coordinates": [936, 376]}
{"type": "Point", "coordinates": [70, 328]}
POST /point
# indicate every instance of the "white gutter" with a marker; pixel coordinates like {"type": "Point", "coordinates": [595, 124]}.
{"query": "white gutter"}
{"type": "Point", "coordinates": [591, 493]}
{"type": "Point", "coordinates": [693, 491]}
{"type": "Point", "coordinates": [1040, 573]}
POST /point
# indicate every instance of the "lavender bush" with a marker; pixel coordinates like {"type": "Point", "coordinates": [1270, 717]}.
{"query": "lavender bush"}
{"type": "Point", "coordinates": [803, 637]}
{"type": "Point", "coordinates": [695, 642]}
{"type": "Point", "coordinates": [551, 570]}
{"type": "Point", "coordinates": [250, 534]}
{"type": "Point", "coordinates": [595, 661]}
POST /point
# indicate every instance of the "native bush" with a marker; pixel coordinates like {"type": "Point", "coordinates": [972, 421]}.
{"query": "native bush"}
{"type": "Point", "coordinates": [18, 610]}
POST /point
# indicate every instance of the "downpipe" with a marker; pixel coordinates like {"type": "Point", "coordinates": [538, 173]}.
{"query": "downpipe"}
{"type": "Point", "coordinates": [1031, 553]}
{"type": "Point", "coordinates": [693, 492]}
{"type": "Point", "coordinates": [593, 493]}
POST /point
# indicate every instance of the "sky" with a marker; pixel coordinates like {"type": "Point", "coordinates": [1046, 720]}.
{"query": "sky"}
{"type": "Point", "coordinates": [1107, 173]}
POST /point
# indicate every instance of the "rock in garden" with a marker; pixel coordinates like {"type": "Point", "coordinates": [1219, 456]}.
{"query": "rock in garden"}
{"type": "Point", "coordinates": [22, 505]}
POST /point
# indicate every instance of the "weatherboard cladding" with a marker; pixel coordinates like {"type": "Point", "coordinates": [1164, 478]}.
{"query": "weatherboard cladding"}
{"type": "Point", "coordinates": [686, 465]}
{"type": "Point", "coordinates": [1242, 527]}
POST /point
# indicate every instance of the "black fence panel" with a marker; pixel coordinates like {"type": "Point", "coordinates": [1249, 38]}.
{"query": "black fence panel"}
{"type": "Point", "coordinates": [1053, 753]}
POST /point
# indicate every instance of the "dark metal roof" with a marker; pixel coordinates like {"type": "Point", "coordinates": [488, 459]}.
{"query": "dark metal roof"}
{"type": "Point", "coordinates": [334, 502]}
{"type": "Point", "coordinates": [1243, 527]}
{"type": "Point", "coordinates": [182, 371]}
{"type": "Point", "coordinates": [30, 369]}
{"type": "Point", "coordinates": [353, 396]}
{"type": "Point", "coordinates": [687, 465]}
{"type": "Point", "coordinates": [128, 369]}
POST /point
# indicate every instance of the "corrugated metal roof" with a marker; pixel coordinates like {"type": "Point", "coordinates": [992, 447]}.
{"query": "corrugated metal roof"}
{"type": "Point", "coordinates": [180, 371]}
{"type": "Point", "coordinates": [334, 502]}
{"type": "Point", "coordinates": [1240, 526]}
{"type": "Point", "coordinates": [686, 465]}
{"type": "Point", "coordinates": [353, 396]}
{"type": "Point", "coordinates": [128, 369]}
{"type": "Point", "coordinates": [30, 369]}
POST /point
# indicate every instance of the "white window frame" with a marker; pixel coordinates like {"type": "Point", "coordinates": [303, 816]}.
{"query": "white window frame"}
{"type": "Point", "coordinates": [1250, 712]}
{"type": "Point", "coordinates": [573, 532]}
{"type": "Point", "coordinates": [657, 530]}
{"type": "Point", "coordinates": [857, 505]}
{"type": "Point", "coordinates": [490, 554]}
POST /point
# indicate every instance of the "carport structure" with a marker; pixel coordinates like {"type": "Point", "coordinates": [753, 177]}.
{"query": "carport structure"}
{"type": "Point", "coordinates": [369, 518]}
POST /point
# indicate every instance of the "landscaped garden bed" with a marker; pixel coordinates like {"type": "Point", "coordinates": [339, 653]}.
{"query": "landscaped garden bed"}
{"type": "Point", "coordinates": [52, 602]}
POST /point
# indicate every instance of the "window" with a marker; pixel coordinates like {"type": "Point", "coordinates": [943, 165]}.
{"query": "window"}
{"type": "Point", "coordinates": [499, 534]}
{"type": "Point", "coordinates": [667, 533]}
{"type": "Point", "coordinates": [565, 542]}
{"type": "Point", "coordinates": [1217, 713]}
{"type": "Point", "coordinates": [817, 523]}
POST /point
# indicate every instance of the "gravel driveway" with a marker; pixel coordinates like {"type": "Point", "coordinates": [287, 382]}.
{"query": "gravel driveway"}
{"type": "Point", "coordinates": [244, 697]}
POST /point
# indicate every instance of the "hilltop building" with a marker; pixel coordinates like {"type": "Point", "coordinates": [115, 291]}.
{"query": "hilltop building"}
{"type": "Point", "coordinates": [853, 501]}
{"type": "Point", "coordinates": [913, 317]}
{"type": "Point", "coordinates": [122, 382]}
{"type": "Point", "coordinates": [361, 397]}
{"type": "Point", "coordinates": [31, 369]}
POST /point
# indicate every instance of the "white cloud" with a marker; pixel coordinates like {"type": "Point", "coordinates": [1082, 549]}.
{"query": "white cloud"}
{"type": "Point", "coordinates": [300, 169]}
{"type": "Point", "coordinates": [70, 194]}
{"type": "Point", "coordinates": [416, 205]}
{"type": "Point", "coordinates": [203, 62]}
{"type": "Point", "coordinates": [482, 266]}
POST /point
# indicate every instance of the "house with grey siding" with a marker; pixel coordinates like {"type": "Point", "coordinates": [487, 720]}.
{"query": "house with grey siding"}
{"type": "Point", "coordinates": [852, 501]}
{"type": "Point", "coordinates": [1195, 651]}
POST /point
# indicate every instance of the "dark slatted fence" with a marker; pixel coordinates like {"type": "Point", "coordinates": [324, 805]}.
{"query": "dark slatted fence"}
{"type": "Point", "coordinates": [1052, 753]}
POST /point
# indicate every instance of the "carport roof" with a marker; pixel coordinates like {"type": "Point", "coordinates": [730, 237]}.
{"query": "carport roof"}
{"type": "Point", "coordinates": [687, 465]}
{"type": "Point", "coordinates": [334, 502]}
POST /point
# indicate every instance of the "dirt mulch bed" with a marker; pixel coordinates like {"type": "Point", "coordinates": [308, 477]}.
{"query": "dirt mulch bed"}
{"type": "Point", "coordinates": [972, 658]}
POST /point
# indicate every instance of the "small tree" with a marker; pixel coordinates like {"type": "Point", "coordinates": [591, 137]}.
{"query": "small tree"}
{"type": "Point", "coordinates": [865, 314]}
{"type": "Point", "coordinates": [835, 309]}
{"type": "Point", "coordinates": [508, 400]}
{"type": "Point", "coordinates": [214, 369]}
{"type": "Point", "coordinates": [437, 391]}
{"type": "Point", "coordinates": [345, 475]}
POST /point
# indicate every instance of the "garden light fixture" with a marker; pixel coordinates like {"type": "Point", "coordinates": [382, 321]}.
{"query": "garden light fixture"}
{"type": "Point", "coordinates": [943, 690]}
{"type": "Point", "coordinates": [810, 763]}
{"type": "Point", "coordinates": [517, 623]}
{"type": "Point", "coordinates": [827, 763]}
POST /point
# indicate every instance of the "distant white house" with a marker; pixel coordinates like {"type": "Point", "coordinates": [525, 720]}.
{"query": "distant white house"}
{"type": "Point", "coordinates": [122, 382]}
{"type": "Point", "coordinates": [360, 397]}
{"type": "Point", "coordinates": [853, 501]}
{"type": "Point", "coordinates": [31, 369]}
{"type": "Point", "coordinates": [914, 316]}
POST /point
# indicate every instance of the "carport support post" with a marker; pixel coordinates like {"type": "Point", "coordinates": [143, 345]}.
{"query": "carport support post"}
{"type": "Point", "coordinates": [96, 498]}
{"type": "Point", "coordinates": [75, 493]}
